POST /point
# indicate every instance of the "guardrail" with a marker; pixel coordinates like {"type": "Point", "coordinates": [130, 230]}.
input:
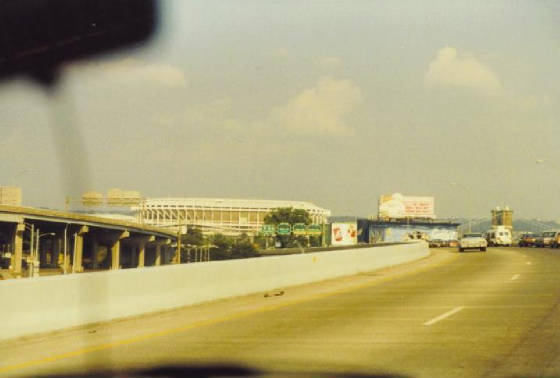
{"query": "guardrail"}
{"type": "Point", "coordinates": [294, 251]}
{"type": "Point", "coordinates": [50, 303]}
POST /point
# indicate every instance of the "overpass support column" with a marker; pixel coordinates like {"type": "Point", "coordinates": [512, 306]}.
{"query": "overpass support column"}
{"type": "Point", "coordinates": [142, 241]}
{"type": "Point", "coordinates": [141, 254]}
{"type": "Point", "coordinates": [18, 249]}
{"type": "Point", "coordinates": [77, 264]}
{"type": "Point", "coordinates": [116, 250]}
{"type": "Point", "coordinates": [158, 254]}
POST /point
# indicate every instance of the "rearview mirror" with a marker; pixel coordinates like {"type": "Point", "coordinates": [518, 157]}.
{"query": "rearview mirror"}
{"type": "Point", "coordinates": [38, 36]}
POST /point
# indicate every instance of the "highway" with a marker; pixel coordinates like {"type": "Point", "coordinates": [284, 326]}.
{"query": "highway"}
{"type": "Point", "coordinates": [493, 314]}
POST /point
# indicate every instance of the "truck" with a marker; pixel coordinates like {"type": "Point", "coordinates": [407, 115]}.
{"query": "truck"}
{"type": "Point", "coordinates": [499, 236]}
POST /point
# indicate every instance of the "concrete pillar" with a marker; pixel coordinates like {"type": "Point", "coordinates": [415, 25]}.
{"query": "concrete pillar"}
{"type": "Point", "coordinates": [18, 249]}
{"type": "Point", "coordinates": [142, 241]}
{"type": "Point", "coordinates": [116, 250]}
{"type": "Point", "coordinates": [158, 255]}
{"type": "Point", "coordinates": [115, 254]}
{"type": "Point", "coordinates": [77, 261]}
{"type": "Point", "coordinates": [141, 254]}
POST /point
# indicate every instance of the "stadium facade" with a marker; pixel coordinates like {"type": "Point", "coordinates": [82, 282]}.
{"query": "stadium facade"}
{"type": "Point", "coordinates": [215, 215]}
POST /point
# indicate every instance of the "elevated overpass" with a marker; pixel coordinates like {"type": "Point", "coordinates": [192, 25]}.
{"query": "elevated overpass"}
{"type": "Point", "coordinates": [74, 242]}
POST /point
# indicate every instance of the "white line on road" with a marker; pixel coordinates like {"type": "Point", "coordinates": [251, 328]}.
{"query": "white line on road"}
{"type": "Point", "coordinates": [515, 277]}
{"type": "Point", "coordinates": [443, 316]}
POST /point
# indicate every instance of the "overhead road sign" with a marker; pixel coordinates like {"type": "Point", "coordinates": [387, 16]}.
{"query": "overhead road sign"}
{"type": "Point", "coordinates": [299, 229]}
{"type": "Point", "coordinates": [284, 229]}
{"type": "Point", "coordinates": [268, 229]}
{"type": "Point", "coordinates": [314, 229]}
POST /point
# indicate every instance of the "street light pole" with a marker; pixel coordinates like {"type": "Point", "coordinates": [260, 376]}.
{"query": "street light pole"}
{"type": "Point", "coordinates": [35, 259]}
{"type": "Point", "coordinates": [65, 249]}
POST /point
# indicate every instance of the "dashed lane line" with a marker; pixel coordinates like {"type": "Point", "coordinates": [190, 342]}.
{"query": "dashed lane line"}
{"type": "Point", "coordinates": [444, 315]}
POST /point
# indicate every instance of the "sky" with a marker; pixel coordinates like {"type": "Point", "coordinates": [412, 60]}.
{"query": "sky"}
{"type": "Point", "coordinates": [332, 102]}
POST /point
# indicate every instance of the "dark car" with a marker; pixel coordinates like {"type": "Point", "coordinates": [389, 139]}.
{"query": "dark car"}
{"type": "Point", "coordinates": [436, 243]}
{"type": "Point", "coordinates": [527, 240]}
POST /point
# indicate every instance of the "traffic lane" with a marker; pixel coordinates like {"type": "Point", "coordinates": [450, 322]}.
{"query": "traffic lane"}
{"type": "Point", "coordinates": [380, 328]}
{"type": "Point", "coordinates": [287, 329]}
{"type": "Point", "coordinates": [29, 353]}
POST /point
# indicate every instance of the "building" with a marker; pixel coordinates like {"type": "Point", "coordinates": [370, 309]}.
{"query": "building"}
{"type": "Point", "coordinates": [502, 217]}
{"type": "Point", "coordinates": [376, 231]}
{"type": "Point", "coordinates": [215, 215]}
{"type": "Point", "coordinates": [10, 195]}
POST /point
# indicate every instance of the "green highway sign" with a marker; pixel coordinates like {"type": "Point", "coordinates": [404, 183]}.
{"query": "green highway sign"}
{"type": "Point", "coordinates": [314, 229]}
{"type": "Point", "coordinates": [299, 229]}
{"type": "Point", "coordinates": [284, 229]}
{"type": "Point", "coordinates": [268, 229]}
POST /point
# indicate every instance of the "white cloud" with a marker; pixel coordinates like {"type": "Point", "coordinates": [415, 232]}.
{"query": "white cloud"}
{"type": "Point", "coordinates": [135, 71]}
{"type": "Point", "coordinates": [453, 69]}
{"type": "Point", "coordinates": [321, 109]}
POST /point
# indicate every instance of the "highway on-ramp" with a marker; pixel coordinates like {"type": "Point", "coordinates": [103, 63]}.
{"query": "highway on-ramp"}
{"type": "Point", "coordinates": [452, 314]}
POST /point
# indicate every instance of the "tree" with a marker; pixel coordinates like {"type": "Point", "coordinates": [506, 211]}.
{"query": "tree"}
{"type": "Point", "coordinates": [291, 216]}
{"type": "Point", "coordinates": [287, 215]}
{"type": "Point", "coordinates": [243, 249]}
{"type": "Point", "coordinates": [221, 249]}
{"type": "Point", "coordinates": [193, 237]}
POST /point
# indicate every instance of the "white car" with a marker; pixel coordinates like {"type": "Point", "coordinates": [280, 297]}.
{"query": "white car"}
{"type": "Point", "coordinates": [472, 241]}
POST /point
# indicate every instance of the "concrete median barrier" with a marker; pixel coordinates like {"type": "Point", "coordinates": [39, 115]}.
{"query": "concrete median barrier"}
{"type": "Point", "coordinates": [50, 303]}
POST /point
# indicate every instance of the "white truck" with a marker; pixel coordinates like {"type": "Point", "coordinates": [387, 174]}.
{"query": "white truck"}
{"type": "Point", "coordinates": [499, 236]}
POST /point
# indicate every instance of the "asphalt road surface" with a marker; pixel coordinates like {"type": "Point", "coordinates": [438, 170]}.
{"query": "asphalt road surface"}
{"type": "Point", "coordinates": [474, 314]}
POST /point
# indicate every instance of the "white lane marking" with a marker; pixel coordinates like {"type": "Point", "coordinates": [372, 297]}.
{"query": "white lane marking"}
{"type": "Point", "coordinates": [529, 263]}
{"type": "Point", "coordinates": [443, 316]}
{"type": "Point", "coordinates": [515, 277]}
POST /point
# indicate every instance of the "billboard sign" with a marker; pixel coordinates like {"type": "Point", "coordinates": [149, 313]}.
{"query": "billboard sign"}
{"type": "Point", "coordinates": [344, 233]}
{"type": "Point", "coordinates": [396, 206]}
{"type": "Point", "coordinates": [400, 233]}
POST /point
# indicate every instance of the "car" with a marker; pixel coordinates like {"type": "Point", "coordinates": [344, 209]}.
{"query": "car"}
{"type": "Point", "coordinates": [472, 241]}
{"type": "Point", "coordinates": [435, 243]}
{"type": "Point", "coordinates": [555, 241]}
{"type": "Point", "coordinates": [538, 240]}
{"type": "Point", "coordinates": [527, 239]}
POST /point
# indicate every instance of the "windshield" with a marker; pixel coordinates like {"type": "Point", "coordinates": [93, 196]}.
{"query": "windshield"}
{"type": "Point", "coordinates": [279, 187]}
{"type": "Point", "coordinates": [472, 235]}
